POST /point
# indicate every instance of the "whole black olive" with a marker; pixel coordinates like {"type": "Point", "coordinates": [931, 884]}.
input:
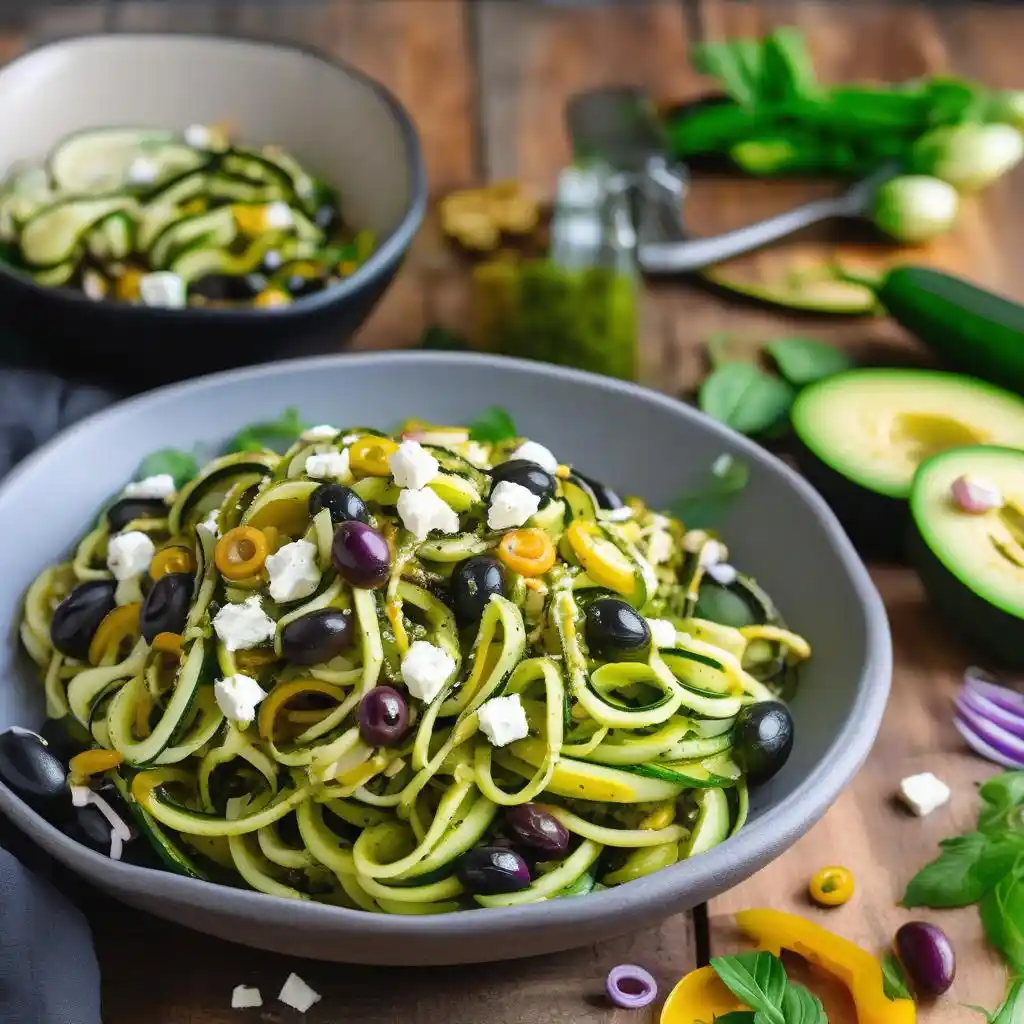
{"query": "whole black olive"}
{"type": "Point", "coordinates": [537, 829]}
{"type": "Point", "coordinates": [89, 826]}
{"type": "Point", "coordinates": [342, 502]}
{"type": "Point", "coordinates": [473, 583]}
{"type": "Point", "coordinates": [606, 497]}
{"type": "Point", "coordinates": [299, 285]}
{"type": "Point", "coordinates": [223, 288]}
{"type": "Point", "coordinates": [326, 217]}
{"type": "Point", "coordinates": [488, 870]}
{"type": "Point", "coordinates": [78, 617]}
{"type": "Point", "coordinates": [762, 739]}
{"type": "Point", "coordinates": [122, 512]}
{"type": "Point", "coordinates": [166, 606]}
{"type": "Point", "coordinates": [31, 770]}
{"type": "Point", "coordinates": [65, 737]}
{"type": "Point", "coordinates": [528, 475]}
{"type": "Point", "coordinates": [317, 637]}
{"type": "Point", "coordinates": [383, 717]}
{"type": "Point", "coordinates": [616, 631]}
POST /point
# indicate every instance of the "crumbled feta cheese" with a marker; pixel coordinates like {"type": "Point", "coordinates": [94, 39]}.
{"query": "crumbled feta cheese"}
{"type": "Point", "coordinates": [924, 793]}
{"type": "Point", "coordinates": [211, 523]}
{"type": "Point", "coordinates": [293, 571]}
{"type": "Point", "coordinates": [475, 452]}
{"type": "Point", "coordinates": [328, 465]}
{"type": "Point", "coordinates": [422, 512]}
{"type": "Point", "coordinates": [242, 626]}
{"type": "Point", "coordinates": [531, 451]}
{"type": "Point", "coordinates": [237, 696]}
{"type": "Point", "coordinates": [694, 540]}
{"type": "Point", "coordinates": [721, 466]}
{"type": "Point", "coordinates": [413, 466]}
{"type": "Point", "coordinates": [511, 505]}
{"type": "Point", "coordinates": [297, 994]}
{"type": "Point", "coordinates": [723, 573]}
{"type": "Point", "coordinates": [198, 136]}
{"type": "Point", "coordinates": [975, 494]}
{"type": "Point", "coordinates": [120, 833]}
{"type": "Point", "coordinates": [618, 515]}
{"type": "Point", "coordinates": [503, 720]}
{"type": "Point", "coordinates": [142, 171]}
{"type": "Point", "coordinates": [425, 670]}
{"type": "Point", "coordinates": [659, 547]}
{"type": "Point", "coordinates": [711, 554]}
{"type": "Point", "coordinates": [94, 286]}
{"type": "Point", "coordinates": [129, 554]}
{"type": "Point", "coordinates": [245, 998]}
{"type": "Point", "coordinates": [663, 633]}
{"type": "Point", "coordinates": [129, 591]}
{"type": "Point", "coordinates": [321, 432]}
{"type": "Point", "coordinates": [278, 216]}
{"type": "Point", "coordinates": [159, 486]}
{"type": "Point", "coordinates": [162, 288]}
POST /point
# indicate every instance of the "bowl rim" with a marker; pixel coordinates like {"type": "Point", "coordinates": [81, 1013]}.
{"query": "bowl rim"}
{"type": "Point", "coordinates": [389, 252]}
{"type": "Point", "coordinates": [737, 858]}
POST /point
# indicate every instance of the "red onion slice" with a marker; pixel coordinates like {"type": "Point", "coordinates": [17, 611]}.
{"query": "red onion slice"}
{"type": "Point", "coordinates": [994, 735]}
{"type": "Point", "coordinates": [993, 712]}
{"type": "Point", "coordinates": [979, 746]}
{"type": "Point", "coordinates": [980, 681]}
{"type": "Point", "coordinates": [630, 986]}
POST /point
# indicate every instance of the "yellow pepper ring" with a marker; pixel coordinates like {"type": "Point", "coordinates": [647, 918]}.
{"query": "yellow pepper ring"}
{"type": "Point", "coordinates": [171, 559]}
{"type": "Point", "coordinates": [241, 552]}
{"type": "Point", "coordinates": [370, 455]}
{"type": "Point", "coordinates": [832, 886]}
{"type": "Point", "coordinates": [117, 626]}
{"type": "Point", "coordinates": [603, 562]}
{"type": "Point", "coordinates": [282, 694]}
{"type": "Point", "coordinates": [702, 996]}
{"type": "Point", "coordinates": [528, 552]}
{"type": "Point", "coordinates": [92, 762]}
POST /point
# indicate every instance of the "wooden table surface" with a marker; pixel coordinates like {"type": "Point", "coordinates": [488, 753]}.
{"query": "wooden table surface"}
{"type": "Point", "coordinates": [485, 83]}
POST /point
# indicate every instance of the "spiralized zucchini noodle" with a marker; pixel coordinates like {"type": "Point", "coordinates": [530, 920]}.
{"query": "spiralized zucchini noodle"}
{"type": "Point", "coordinates": [513, 693]}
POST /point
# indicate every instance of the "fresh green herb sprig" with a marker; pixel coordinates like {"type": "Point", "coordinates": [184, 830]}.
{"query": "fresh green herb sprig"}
{"type": "Point", "coordinates": [493, 425]}
{"type": "Point", "coordinates": [759, 980]}
{"type": "Point", "coordinates": [894, 978]}
{"type": "Point", "coordinates": [274, 434]}
{"type": "Point", "coordinates": [706, 506]}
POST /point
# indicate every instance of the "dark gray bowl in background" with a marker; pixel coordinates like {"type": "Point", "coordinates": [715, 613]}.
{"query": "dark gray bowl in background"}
{"type": "Point", "coordinates": [635, 440]}
{"type": "Point", "coordinates": [347, 129]}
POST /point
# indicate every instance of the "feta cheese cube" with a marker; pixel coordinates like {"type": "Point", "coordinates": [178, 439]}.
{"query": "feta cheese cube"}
{"type": "Point", "coordinates": [722, 573]}
{"type": "Point", "coordinates": [243, 997]}
{"type": "Point", "coordinates": [511, 505]}
{"type": "Point", "coordinates": [531, 451]}
{"type": "Point", "coordinates": [162, 288]}
{"type": "Point", "coordinates": [159, 486]}
{"type": "Point", "coordinates": [210, 523]}
{"type": "Point", "coordinates": [425, 670]}
{"type": "Point", "coordinates": [423, 511]}
{"type": "Point", "coordinates": [711, 554]}
{"type": "Point", "coordinates": [503, 720]}
{"type": "Point", "coordinates": [659, 547]}
{"type": "Point", "coordinates": [293, 571]}
{"type": "Point", "coordinates": [198, 136]}
{"type": "Point", "coordinates": [242, 626]}
{"type": "Point", "coordinates": [413, 466]}
{"type": "Point", "coordinates": [924, 793]}
{"type": "Point", "coordinates": [129, 554]}
{"type": "Point", "coordinates": [663, 633]}
{"type": "Point", "coordinates": [328, 465]}
{"type": "Point", "coordinates": [618, 515]}
{"type": "Point", "coordinates": [142, 171]}
{"type": "Point", "coordinates": [297, 994]}
{"type": "Point", "coordinates": [237, 696]}
{"type": "Point", "coordinates": [321, 432]}
{"type": "Point", "coordinates": [278, 216]}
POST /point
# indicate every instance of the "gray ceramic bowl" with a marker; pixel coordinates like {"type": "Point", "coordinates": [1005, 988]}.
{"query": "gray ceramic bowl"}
{"type": "Point", "coordinates": [634, 440]}
{"type": "Point", "coordinates": [346, 128]}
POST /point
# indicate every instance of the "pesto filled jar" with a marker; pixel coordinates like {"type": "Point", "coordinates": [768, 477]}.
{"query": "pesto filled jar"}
{"type": "Point", "coordinates": [578, 306]}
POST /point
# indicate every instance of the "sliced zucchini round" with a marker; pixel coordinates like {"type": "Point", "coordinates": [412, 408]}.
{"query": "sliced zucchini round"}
{"type": "Point", "coordinates": [112, 238]}
{"type": "Point", "coordinates": [56, 233]}
{"type": "Point", "coordinates": [214, 228]}
{"type": "Point", "coordinates": [205, 259]}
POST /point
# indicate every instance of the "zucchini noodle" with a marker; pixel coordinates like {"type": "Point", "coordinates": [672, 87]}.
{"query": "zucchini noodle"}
{"type": "Point", "coordinates": [629, 750]}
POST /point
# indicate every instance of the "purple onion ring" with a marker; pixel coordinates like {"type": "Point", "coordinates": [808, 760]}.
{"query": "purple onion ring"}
{"type": "Point", "coordinates": [995, 736]}
{"type": "Point", "coordinates": [981, 682]}
{"type": "Point", "coordinates": [968, 698]}
{"type": "Point", "coordinates": [976, 743]}
{"type": "Point", "coordinates": [630, 987]}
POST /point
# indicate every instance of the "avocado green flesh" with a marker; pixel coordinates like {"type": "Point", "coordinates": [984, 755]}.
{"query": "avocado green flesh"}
{"type": "Point", "coordinates": [875, 427]}
{"type": "Point", "coordinates": [984, 552]}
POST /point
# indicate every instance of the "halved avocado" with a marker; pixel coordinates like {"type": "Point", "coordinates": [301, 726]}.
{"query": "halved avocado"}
{"type": "Point", "coordinates": [973, 565]}
{"type": "Point", "coordinates": [863, 433]}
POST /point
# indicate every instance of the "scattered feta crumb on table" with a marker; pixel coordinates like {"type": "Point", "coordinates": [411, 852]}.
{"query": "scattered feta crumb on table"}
{"type": "Point", "coordinates": [245, 997]}
{"type": "Point", "coordinates": [297, 994]}
{"type": "Point", "coordinates": [924, 793]}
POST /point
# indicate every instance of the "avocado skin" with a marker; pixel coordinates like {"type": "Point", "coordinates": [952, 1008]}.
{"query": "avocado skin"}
{"type": "Point", "coordinates": [876, 523]}
{"type": "Point", "coordinates": [995, 633]}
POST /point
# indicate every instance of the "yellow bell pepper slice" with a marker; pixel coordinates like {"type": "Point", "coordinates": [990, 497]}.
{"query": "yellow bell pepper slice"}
{"type": "Point", "coordinates": [284, 692]}
{"type": "Point", "coordinates": [700, 996]}
{"type": "Point", "coordinates": [92, 762]}
{"type": "Point", "coordinates": [602, 560]}
{"type": "Point", "coordinates": [117, 626]}
{"type": "Point", "coordinates": [370, 455]}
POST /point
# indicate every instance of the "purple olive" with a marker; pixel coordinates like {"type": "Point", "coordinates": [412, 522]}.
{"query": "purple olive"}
{"type": "Point", "coordinates": [537, 829]}
{"type": "Point", "coordinates": [927, 957]}
{"type": "Point", "coordinates": [79, 615]}
{"type": "Point", "coordinates": [317, 636]}
{"type": "Point", "coordinates": [29, 769]}
{"type": "Point", "coordinates": [361, 555]}
{"type": "Point", "coordinates": [383, 717]}
{"type": "Point", "coordinates": [489, 870]}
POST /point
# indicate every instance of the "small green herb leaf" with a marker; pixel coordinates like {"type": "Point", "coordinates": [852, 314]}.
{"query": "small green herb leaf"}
{"type": "Point", "coordinates": [736, 65]}
{"type": "Point", "coordinates": [894, 980]}
{"type": "Point", "coordinates": [276, 434]}
{"type": "Point", "coordinates": [737, 1017]}
{"type": "Point", "coordinates": [745, 398]}
{"type": "Point", "coordinates": [1012, 1010]}
{"type": "Point", "coordinates": [802, 1007]}
{"type": "Point", "coordinates": [1002, 914]}
{"type": "Point", "coordinates": [803, 361]}
{"type": "Point", "coordinates": [1003, 798]}
{"type": "Point", "coordinates": [969, 866]}
{"type": "Point", "coordinates": [493, 425]}
{"type": "Point", "coordinates": [705, 508]}
{"type": "Point", "coordinates": [181, 465]}
{"type": "Point", "coordinates": [756, 979]}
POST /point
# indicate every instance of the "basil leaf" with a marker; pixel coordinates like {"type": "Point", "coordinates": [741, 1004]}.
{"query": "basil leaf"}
{"type": "Point", "coordinates": [705, 508]}
{"type": "Point", "coordinates": [737, 1017]}
{"type": "Point", "coordinates": [757, 980]}
{"type": "Point", "coordinates": [803, 361]}
{"type": "Point", "coordinates": [969, 866]}
{"type": "Point", "coordinates": [736, 66]}
{"type": "Point", "coordinates": [894, 980]}
{"type": "Point", "coordinates": [276, 434]}
{"type": "Point", "coordinates": [1012, 1010]}
{"type": "Point", "coordinates": [180, 465]}
{"type": "Point", "coordinates": [494, 424]}
{"type": "Point", "coordinates": [787, 71]}
{"type": "Point", "coordinates": [1002, 914]}
{"type": "Point", "coordinates": [802, 1007]}
{"type": "Point", "coordinates": [745, 398]}
{"type": "Point", "coordinates": [1003, 799]}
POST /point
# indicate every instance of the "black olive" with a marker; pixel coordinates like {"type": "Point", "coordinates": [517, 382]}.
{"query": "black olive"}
{"type": "Point", "coordinates": [342, 502]}
{"type": "Point", "coordinates": [65, 737]}
{"type": "Point", "coordinates": [616, 631]}
{"type": "Point", "coordinates": [473, 583]}
{"type": "Point", "coordinates": [78, 617]}
{"type": "Point", "coordinates": [122, 512]}
{"type": "Point", "coordinates": [89, 826]}
{"type": "Point", "coordinates": [528, 475]}
{"type": "Point", "coordinates": [223, 288]}
{"type": "Point", "coordinates": [606, 497]}
{"type": "Point", "coordinates": [166, 606]}
{"type": "Point", "coordinates": [493, 869]}
{"type": "Point", "coordinates": [326, 217]}
{"type": "Point", "coordinates": [271, 261]}
{"type": "Point", "coordinates": [317, 636]}
{"type": "Point", "coordinates": [299, 285]}
{"type": "Point", "coordinates": [31, 770]}
{"type": "Point", "coordinates": [762, 738]}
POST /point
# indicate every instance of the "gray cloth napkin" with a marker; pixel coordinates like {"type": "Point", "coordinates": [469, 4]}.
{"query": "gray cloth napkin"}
{"type": "Point", "coordinates": [48, 969]}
